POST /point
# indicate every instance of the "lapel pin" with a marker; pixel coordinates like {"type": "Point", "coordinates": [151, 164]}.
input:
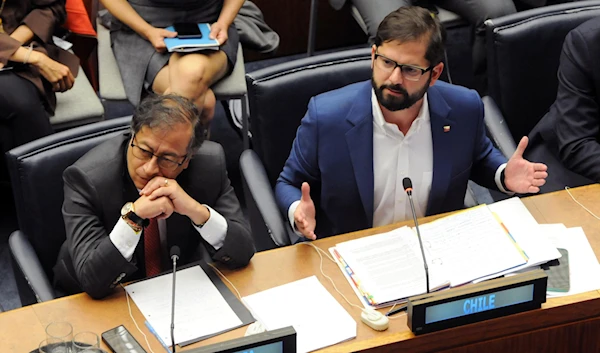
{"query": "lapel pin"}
{"type": "Point", "coordinates": [446, 128]}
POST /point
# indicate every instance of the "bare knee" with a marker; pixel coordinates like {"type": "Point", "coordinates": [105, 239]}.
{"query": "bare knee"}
{"type": "Point", "coordinates": [189, 77]}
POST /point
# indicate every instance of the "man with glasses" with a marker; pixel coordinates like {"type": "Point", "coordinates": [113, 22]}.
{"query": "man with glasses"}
{"type": "Point", "coordinates": [132, 198]}
{"type": "Point", "coordinates": [356, 144]}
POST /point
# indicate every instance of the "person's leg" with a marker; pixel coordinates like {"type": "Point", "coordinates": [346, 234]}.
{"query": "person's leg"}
{"type": "Point", "coordinates": [374, 11]}
{"type": "Point", "coordinates": [476, 12]}
{"type": "Point", "coordinates": [191, 75]}
{"type": "Point", "coordinates": [22, 115]}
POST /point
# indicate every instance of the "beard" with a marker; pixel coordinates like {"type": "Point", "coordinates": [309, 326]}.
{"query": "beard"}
{"type": "Point", "coordinates": [395, 103]}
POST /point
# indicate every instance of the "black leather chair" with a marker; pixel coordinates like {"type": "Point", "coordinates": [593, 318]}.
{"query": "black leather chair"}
{"type": "Point", "coordinates": [523, 57]}
{"type": "Point", "coordinates": [36, 173]}
{"type": "Point", "coordinates": [278, 98]}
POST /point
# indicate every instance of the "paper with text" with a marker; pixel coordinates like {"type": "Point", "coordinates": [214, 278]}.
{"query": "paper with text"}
{"type": "Point", "coordinates": [319, 320]}
{"type": "Point", "coordinates": [200, 309]}
{"type": "Point", "coordinates": [526, 232]}
{"type": "Point", "coordinates": [389, 266]}
{"type": "Point", "coordinates": [470, 244]}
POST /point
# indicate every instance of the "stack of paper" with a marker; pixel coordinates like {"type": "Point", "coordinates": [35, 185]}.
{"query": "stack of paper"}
{"type": "Point", "coordinates": [319, 320]}
{"type": "Point", "coordinates": [479, 243]}
{"type": "Point", "coordinates": [200, 309]}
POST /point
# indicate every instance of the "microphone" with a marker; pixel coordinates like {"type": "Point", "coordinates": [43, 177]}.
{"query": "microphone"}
{"type": "Point", "coordinates": [407, 184]}
{"type": "Point", "coordinates": [174, 253]}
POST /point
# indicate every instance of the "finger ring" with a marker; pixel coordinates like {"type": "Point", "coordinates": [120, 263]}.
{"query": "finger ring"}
{"type": "Point", "coordinates": [166, 182]}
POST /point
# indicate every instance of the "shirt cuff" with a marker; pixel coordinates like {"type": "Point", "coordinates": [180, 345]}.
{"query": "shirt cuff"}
{"type": "Point", "coordinates": [214, 230]}
{"type": "Point", "coordinates": [291, 212]}
{"type": "Point", "coordinates": [125, 239]}
{"type": "Point", "coordinates": [498, 179]}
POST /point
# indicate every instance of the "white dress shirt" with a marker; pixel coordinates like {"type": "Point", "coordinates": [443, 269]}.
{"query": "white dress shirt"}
{"type": "Point", "coordinates": [126, 240]}
{"type": "Point", "coordinates": [396, 156]}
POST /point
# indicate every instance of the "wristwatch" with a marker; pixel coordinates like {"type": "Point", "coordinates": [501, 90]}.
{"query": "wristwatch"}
{"type": "Point", "coordinates": [136, 222]}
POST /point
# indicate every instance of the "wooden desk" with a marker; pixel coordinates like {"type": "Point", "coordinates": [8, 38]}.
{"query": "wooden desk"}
{"type": "Point", "coordinates": [564, 324]}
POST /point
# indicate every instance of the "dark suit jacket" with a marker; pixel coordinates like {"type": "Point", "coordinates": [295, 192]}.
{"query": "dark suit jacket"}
{"type": "Point", "coordinates": [98, 185]}
{"type": "Point", "coordinates": [567, 137]}
{"type": "Point", "coordinates": [333, 152]}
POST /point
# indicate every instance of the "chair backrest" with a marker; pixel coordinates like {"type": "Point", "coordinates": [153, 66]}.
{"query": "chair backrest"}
{"type": "Point", "coordinates": [523, 56]}
{"type": "Point", "coordinates": [279, 95]}
{"type": "Point", "coordinates": [36, 174]}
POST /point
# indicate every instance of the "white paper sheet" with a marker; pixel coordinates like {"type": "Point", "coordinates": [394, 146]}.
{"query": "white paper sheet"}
{"type": "Point", "coordinates": [526, 232]}
{"type": "Point", "coordinates": [470, 244]}
{"type": "Point", "coordinates": [200, 309]}
{"type": "Point", "coordinates": [319, 320]}
{"type": "Point", "coordinates": [389, 266]}
{"type": "Point", "coordinates": [583, 264]}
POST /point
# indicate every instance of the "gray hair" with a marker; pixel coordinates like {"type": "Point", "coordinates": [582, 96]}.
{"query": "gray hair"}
{"type": "Point", "coordinates": [166, 111]}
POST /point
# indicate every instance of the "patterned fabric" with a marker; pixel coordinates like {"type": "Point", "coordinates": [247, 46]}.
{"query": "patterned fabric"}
{"type": "Point", "coordinates": [152, 248]}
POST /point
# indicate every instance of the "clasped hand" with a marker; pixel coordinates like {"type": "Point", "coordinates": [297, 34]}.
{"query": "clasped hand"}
{"type": "Point", "coordinates": [161, 197]}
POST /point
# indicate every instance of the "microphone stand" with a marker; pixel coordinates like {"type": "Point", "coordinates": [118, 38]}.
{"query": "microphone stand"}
{"type": "Point", "coordinates": [174, 257]}
{"type": "Point", "coordinates": [414, 214]}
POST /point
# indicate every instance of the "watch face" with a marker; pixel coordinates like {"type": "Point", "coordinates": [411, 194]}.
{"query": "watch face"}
{"type": "Point", "coordinates": [126, 208]}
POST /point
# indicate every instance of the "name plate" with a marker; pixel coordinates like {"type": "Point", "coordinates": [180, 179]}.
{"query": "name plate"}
{"type": "Point", "coordinates": [282, 340]}
{"type": "Point", "coordinates": [477, 302]}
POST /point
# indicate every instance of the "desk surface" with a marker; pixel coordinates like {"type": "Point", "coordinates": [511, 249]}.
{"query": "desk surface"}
{"type": "Point", "coordinates": [22, 329]}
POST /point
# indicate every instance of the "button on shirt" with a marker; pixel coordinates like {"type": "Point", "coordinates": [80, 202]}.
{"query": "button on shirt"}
{"type": "Point", "coordinates": [126, 240]}
{"type": "Point", "coordinates": [395, 157]}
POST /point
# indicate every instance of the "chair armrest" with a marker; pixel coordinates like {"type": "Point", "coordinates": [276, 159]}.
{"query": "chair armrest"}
{"type": "Point", "coordinates": [497, 128]}
{"type": "Point", "coordinates": [29, 264]}
{"type": "Point", "coordinates": [261, 201]}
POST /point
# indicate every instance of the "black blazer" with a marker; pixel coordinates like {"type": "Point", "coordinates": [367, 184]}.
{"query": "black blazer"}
{"type": "Point", "coordinates": [567, 137]}
{"type": "Point", "coordinates": [98, 185]}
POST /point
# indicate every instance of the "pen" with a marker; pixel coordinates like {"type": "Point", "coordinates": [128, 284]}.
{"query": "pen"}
{"type": "Point", "coordinates": [396, 311]}
{"type": "Point", "coordinates": [157, 336]}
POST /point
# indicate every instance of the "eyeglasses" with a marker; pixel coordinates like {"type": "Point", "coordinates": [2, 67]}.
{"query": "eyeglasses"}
{"type": "Point", "coordinates": [409, 72]}
{"type": "Point", "coordinates": [162, 161]}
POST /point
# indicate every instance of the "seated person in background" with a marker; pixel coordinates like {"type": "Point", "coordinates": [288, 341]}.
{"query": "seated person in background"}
{"type": "Point", "coordinates": [476, 12]}
{"type": "Point", "coordinates": [567, 138]}
{"type": "Point", "coordinates": [357, 143]}
{"type": "Point", "coordinates": [33, 68]}
{"type": "Point", "coordinates": [132, 198]}
{"type": "Point", "coordinates": [137, 37]}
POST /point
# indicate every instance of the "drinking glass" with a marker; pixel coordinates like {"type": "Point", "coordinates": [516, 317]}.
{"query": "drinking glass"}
{"type": "Point", "coordinates": [85, 340]}
{"type": "Point", "coordinates": [56, 346]}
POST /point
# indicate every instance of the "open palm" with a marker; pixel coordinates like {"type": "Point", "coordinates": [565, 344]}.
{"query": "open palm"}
{"type": "Point", "coordinates": [522, 176]}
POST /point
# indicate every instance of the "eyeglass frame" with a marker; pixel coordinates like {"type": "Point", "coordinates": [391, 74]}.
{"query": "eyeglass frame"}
{"type": "Point", "coordinates": [396, 64]}
{"type": "Point", "coordinates": [158, 158]}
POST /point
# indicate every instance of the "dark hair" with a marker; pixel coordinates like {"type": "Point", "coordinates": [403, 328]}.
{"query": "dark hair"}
{"type": "Point", "coordinates": [166, 111]}
{"type": "Point", "coordinates": [410, 23]}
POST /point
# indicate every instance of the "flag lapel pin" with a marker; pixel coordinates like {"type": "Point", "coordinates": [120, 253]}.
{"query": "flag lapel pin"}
{"type": "Point", "coordinates": [446, 128]}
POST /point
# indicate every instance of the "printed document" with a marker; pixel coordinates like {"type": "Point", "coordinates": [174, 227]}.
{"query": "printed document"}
{"type": "Point", "coordinates": [200, 309]}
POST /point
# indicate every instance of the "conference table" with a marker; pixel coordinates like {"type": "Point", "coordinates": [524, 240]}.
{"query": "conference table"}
{"type": "Point", "coordinates": [565, 324]}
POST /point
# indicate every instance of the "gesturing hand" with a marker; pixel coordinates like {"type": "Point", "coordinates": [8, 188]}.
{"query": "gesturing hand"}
{"type": "Point", "coordinates": [218, 31]}
{"type": "Point", "coordinates": [522, 176]}
{"type": "Point", "coordinates": [156, 36]}
{"type": "Point", "coordinates": [304, 216]}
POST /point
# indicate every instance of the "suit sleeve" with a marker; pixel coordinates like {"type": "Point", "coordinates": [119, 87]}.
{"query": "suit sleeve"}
{"type": "Point", "coordinates": [486, 158]}
{"type": "Point", "coordinates": [97, 262]}
{"type": "Point", "coordinates": [576, 110]}
{"type": "Point", "coordinates": [238, 246]}
{"type": "Point", "coordinates": [302, 163]}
